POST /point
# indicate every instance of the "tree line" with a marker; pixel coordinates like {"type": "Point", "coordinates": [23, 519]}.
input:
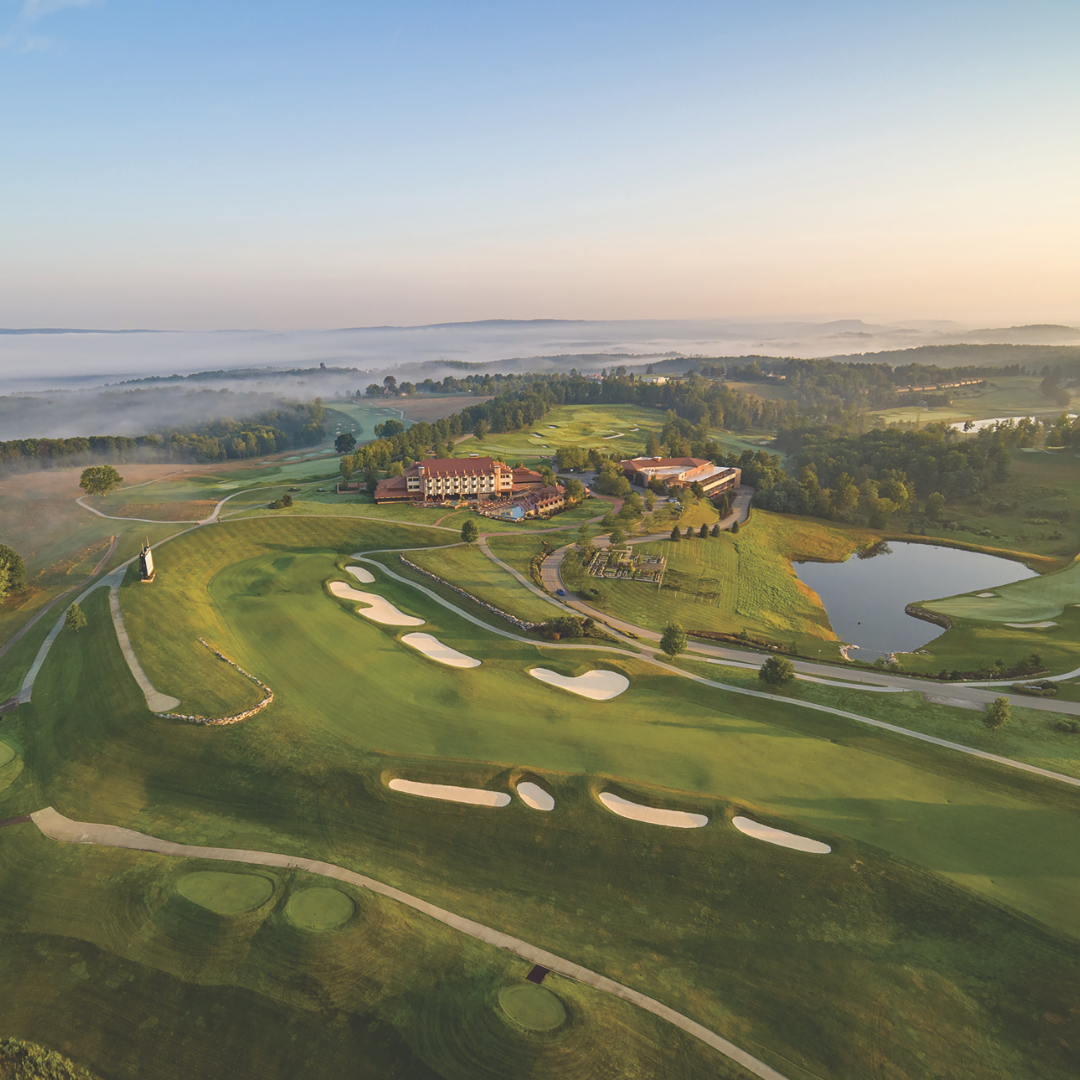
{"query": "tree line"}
{"type": "Point", "coordinates": [871, 477]}
{"type": "Point", "coordinates": [289, 426]}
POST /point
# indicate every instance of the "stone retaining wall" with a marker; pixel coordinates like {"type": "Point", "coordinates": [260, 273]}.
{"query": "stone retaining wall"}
{"type": "Point", "coordinates": [268, 696]}
{"type": "Point", "coordinates": [521, 624]}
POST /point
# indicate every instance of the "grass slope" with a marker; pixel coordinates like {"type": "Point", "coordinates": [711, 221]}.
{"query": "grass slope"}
{"type": "Point", "coordinates": [734, 582]}
{"type": "Point", "coordinates": [895, 951]}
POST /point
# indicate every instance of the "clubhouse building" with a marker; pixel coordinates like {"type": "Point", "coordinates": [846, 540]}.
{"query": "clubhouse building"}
{"type": "Point", "coordinates": [457, 479]}
{"type": "Point", "coordinates": [680, 473]}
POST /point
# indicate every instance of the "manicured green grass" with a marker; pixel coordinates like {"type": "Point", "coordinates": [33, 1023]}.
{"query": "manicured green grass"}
{"type": "Point", "coordinates": [7, 753]}
{"type": "Point", "coordinates": [573, 425]}
{"type": "Point", "coordinates": [532, 1006]}
{"type": "Point", "coordinates": [320, 908]}
{"type": "Point", "coordinates": [894, 949]}
{"type": "Point", "coordinates": [1006, 395]}
{"type": "Point", "coordinates": [225, 892]}
{"type": "Point", "coordinates": [470, 569]}
{"type": "Point", "coordinates": [188, 586]}
{"type": "Point", "coordinates": [176, 991]}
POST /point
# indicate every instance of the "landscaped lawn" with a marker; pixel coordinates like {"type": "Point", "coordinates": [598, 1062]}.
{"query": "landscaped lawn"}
{"type": "Point", "coordinates": [895, 949]}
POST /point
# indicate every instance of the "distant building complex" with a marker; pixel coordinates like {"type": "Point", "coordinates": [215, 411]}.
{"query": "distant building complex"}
{"type": "Point", "coordinates": [681, 473]}
{"type": "Point", "coordinates": [498, 490]}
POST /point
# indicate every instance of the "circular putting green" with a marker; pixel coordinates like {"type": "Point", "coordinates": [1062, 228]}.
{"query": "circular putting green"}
{"type": "Point", "coordinates": [7, 753]}
{"type": "Point", "coordinates": [532, 1006]}
{"type": "Point", "coordinates": [224, 893]}
{"type": "Point", "coordinates": [319, 908]}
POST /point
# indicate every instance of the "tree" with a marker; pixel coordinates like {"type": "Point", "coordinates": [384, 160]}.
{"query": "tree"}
{"type": "Point", "coordinates": [470, 531]}
{"type": "Point", "coordinates": [617, 537]}
{"type": "Point", "coordinates": [345, 443]}
{"type": "Point", "coordinates": [100, 479]}
{"type": "Point", "coordinates": [575, 490]}
{"type": "Point", "coordinates": [676, 536]}
{"type": "Point", "coordinates": [703, 532]}
{"type": "Point", "coordinates": [12, 571]}
{"type": "Point", "coordinates": [390, 382]}
{"type": "Point", "coordinates": [74, 619]}
{"type": "Point", "coordinates": [673, 640]}
{"type": "Point", "coordinates": [347, 465]}
{"type": "Point", "coordinates": [716, 529]}
{"type": "Point", "coordinates": [935, 503]}
{"type": "Point", "coordinates": [997, 714]}
{"type": "Point", "coordinates": [480, 430]}
{"type": "Point", "coordinates": [734, 527]}
{"type": "Point", "coordinates": [776, 671]}
{"type": "Point", "coordinates": [689, 531]}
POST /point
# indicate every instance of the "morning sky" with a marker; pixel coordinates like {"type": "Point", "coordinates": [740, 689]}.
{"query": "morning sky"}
{"type": "Point", "coordinates": [240, 164]}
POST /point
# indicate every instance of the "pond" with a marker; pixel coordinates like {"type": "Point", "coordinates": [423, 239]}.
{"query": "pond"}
{"type": "Point", "coordinates": [865, 597]}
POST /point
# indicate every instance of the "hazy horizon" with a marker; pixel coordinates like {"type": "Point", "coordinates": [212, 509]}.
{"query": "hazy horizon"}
{"type": "Point", "coordinates": [39, 361]}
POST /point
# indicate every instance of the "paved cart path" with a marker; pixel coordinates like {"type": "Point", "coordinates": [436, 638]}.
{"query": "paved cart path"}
{"type": "Point", "coordinates": [57, 827]}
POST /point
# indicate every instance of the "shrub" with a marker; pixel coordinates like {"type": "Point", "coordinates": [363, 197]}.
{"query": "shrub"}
{"type": "Point", "coordinates": [777, 671]}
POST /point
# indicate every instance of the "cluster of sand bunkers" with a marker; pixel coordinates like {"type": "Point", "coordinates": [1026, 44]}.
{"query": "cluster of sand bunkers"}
{"type": "Point", "coordinates": [597, 685]}
{"type": "Point", "coordinates": [538, 798]}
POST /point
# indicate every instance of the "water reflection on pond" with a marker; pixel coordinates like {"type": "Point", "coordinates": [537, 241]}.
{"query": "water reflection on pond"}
{"type": "Point", "coordinates": [865, 598]}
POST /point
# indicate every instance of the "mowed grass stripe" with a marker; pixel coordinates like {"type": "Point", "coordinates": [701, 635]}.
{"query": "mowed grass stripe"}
{"type": "Point", "coordinates": [738, 931]}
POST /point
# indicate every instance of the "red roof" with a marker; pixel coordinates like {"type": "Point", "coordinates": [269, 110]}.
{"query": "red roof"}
{"type": "Point", "coordinates": [393, 487]}
{"type": "Point", "coordinates": [457, 466]}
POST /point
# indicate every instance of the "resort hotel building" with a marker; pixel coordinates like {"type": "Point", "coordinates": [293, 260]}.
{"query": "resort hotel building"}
{"type": "Point", "coordinates": [682, 472]}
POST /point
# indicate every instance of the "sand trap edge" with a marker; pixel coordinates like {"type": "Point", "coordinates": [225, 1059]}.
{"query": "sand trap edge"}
{"type": "Point", "coordinates": [757, 831]}
{"type": "Point", "coordinates": [450, 793]}
{"type": "Point", "coordinates": [651, 815]}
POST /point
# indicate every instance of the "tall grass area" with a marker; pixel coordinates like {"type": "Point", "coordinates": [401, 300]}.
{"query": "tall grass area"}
{"type": "Point", "coordinates": [737, 582]}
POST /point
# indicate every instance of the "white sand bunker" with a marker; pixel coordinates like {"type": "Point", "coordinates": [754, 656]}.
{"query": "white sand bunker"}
{"type": "Point", "coordinates": [449, 793]}
{"type": "Point", "coordinates": [779, 837]}
{"type": "Point", "coordinates": [535, 796]}
{"type": "Point", "coordinates": [378, 610]}
{"type": "Point", "coordinates": [434, 648]}
{"type": "Point", "coordinates": [1030, 625]}
{"type": "Point", "coordinates": [365, 577]}
{"type": "Point", "coordinates": [984, 595]}
{"type": "Point", "coordinates": [674, 819]}
{"type": "Point", "coordinates": [598, 685]}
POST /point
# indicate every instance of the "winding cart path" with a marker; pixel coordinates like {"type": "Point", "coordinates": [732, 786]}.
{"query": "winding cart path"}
{"type": "Point", "coordinates": [57, 827]}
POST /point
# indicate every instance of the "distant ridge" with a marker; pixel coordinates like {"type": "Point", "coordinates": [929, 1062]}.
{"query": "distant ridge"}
{"type": "Point", "coordinates": [474, 322]}
{"type": "Point", "coordinates": [72, 330]}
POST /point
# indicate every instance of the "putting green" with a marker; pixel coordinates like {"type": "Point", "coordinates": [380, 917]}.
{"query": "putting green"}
{"type": "Point", "coordinates": [7, 753]}
{"type": "Point", "coordinates": [532, 1006]}
{"type": "Point", "coordinates": [319, 908]}
{"type": "Point", "coordinates": [1031, 600]}
{"type": "Point", "coordinates": [224, 893]}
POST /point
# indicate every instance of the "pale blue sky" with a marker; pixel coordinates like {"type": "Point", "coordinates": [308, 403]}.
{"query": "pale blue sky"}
{"type": "Point", "coordinates": [331, 164]}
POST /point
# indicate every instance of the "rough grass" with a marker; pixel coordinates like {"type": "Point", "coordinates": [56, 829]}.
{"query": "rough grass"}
{"type": "Point", "coordinates": [735, 582]}
{"type": "Point", "coordinates": [1036, 511]}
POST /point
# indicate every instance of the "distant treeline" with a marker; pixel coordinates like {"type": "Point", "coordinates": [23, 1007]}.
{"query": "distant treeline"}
{"type": "Point", "coordinates": [870, 478]}
{"type": "Point", "coordinates": [286, 427]}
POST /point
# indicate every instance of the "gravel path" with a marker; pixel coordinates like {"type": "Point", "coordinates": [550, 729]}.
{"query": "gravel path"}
{"type": "Point", "coordinates": [57, 827]}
